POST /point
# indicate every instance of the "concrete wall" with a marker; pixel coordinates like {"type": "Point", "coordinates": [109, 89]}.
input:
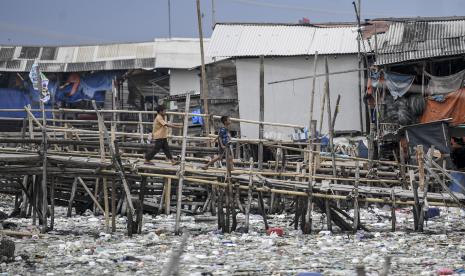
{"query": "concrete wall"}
{"type": "Point", "coordinates": [182, 81]}
{"type": "Point", "coordinates": [289, 102]}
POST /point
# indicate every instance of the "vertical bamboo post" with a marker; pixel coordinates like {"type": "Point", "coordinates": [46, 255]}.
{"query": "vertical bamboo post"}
{"type": "Point", "coordinates": [203, 74]}
{"type": "Point", "coordinates": [311, 136]}
{"type": "Point", "coordinates": [249, 196]}
{"type": "Point", "coordinates": [231, 209]}
{"type": "Point", "coordinates": [421, 167]}
{"type": "Point", "coordinates": [297, 212]}
{"type": "Point", "coordinates": [113, 114]}
{"type": "Point", "coordinates": [25, 201]}
{"type": "Point", "coordinates": [359, 57]}
{"type": "Point", "coordinates": [322, 112]}
{"type": "Point", "coordinates": [104, 180]}
{"type": "Point", "coordinates": [424, 203]}
{"type": "Point", "coordinates": [140, 212]}
{"type": "Point", "coordinates": [371, 145]}
{"type": "Point", "coordinates": [262, 208]}
{"type": "Point", "coordinates": [31, 124]}
{"type": "Point", "coordinates": [356, 207]}
{"type": "Point", "coordinates": [330, 123]}
{"type": "Point", "coordinates": [141, 128]}
{"type": "Point", "coordinates": [167, 196]}
{"type": "Point", "coordinates": [416, 210]}
{"type": "Point", "coordinates": [113, 205]}
{"type": "Point", "coordinates": [34, 199]}
{"type": "Point", "coordinates": [44, 153]}
{"type": "Point", "coordinates": [261, 112]}
{"type": "Point", "coordinates": [183, 163]}
{"type": "Point", "coordinates": [331, 145]}
{"type": "Point", "coordinates": [402, 165]}
{"type": "Point", "coordinates": [71, 198]}
{"type": "Point", "coordinates": [393, 211]}
{"type": "Point", "coordinates": [96, 195]}
{"type": "Point", "coordinates": [52, 203]}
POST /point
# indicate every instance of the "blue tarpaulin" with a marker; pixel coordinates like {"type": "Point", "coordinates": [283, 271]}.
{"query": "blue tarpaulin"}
{"type": "Point", "coordinates": [91, 87]}
{"type": "Point", "coordinates": [17, 99]}
{"type": "Point", "coordinates": [458, 185]}
{"type": "Point", "coordinates": [197, 120]}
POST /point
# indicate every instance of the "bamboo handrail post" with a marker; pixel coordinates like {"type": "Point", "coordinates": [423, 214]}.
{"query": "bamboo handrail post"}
{"type": "Point", "coordinates": [182, 167]}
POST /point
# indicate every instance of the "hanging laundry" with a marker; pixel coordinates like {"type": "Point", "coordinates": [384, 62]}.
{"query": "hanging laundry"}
{"type": "Point", "coordinates": [446, 84]}
{"type": "Point", "coordinates": [398, 84]}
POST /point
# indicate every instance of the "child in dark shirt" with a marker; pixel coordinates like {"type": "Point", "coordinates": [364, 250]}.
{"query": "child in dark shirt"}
{"type": "Point", "coordinates": [224, 138]}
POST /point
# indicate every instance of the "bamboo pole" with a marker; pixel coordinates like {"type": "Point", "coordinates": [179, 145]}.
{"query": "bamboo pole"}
{"type": "Point", "coordinates": [261, 112]}
{"type": "Point", "coordinates": [104, 180]}
{"type": "Point", "coordinates": [356, 207]}
{"type": "Point", "coordinates": [203, 74]}
{"type": "Point", "coordinates": [330, 125]}
{"type": "Point", "coordinates": [311, 136]}
{"type": "Point", "coordinates": [182, 167]}
{"type": "Point", "coordinates": [249, 196]}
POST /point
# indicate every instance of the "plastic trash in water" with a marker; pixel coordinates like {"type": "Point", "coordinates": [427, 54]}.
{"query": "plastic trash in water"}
{"type": "Point", "coordinates": [309, 274]}
{"type": "Point", "coordinates": [276, 230]}
{"type": "Point", "coordinates": [432, 212]}
{"type": "Point", "coordinates": [445, 271]}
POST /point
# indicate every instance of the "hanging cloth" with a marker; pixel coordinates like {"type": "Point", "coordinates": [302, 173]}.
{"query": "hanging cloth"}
{"type": "Point", "coordinates": [446, 84]}
{"type": "Point", "coordinates": [398, 84]}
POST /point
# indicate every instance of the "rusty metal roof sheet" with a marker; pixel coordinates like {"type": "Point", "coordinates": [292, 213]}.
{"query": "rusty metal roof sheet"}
{"type": "Point", "coordinates": [420, 39]}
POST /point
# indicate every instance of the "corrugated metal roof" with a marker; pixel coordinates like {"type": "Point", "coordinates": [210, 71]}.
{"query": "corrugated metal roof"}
{"type": "Point", "coordinates": [418, 39]}
{"type": "Point", "coordinates": [163, 53]}
{"type": "Point", "coordinates": [235, 40]}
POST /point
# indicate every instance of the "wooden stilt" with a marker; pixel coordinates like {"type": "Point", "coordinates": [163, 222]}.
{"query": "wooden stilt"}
{"type": "Point", "coordinates": [262, 209]}
{"type": "Point", "coordinates": [402, 166]}
{"type": "Point", "coordinates": [249, 196]}
{"type": "Point", "coordinates": [329, 223]}
{"type": "Point", "coordinates": [168, 196]}
{"type": "Point", "coordinates": [393, 211]}
{"type": "Point", "coordinates": [295, 220]}
{"type": "Point", "coordinates": [162, 198]}
{"type": "Point", "coordinates": [220, 211]}
{"type": "Point", "coordinates": [71, 198]}
{"type": "Point", "coordinates": [140, 212]}
{"type": "Point", "coordinates": [25, 201]}
{"type": "Point", "coordinates": [96, 195]}
{"type": "Point", "coordinates": [424, 201]}
{"type": "Point", "coordinates": [52, 203]}
{"type": "Point", "coordinates": [113, 206]}
{"type": "Point", "coordinates": [356, 207]}
{"type": "Point", "coordinates": [416, 210]}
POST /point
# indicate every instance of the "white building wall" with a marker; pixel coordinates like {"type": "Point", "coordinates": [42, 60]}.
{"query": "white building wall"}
{"type": "Point", "coordinates": [289, 102]}
{"type": "Point", "coordinates": [183, 81]}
